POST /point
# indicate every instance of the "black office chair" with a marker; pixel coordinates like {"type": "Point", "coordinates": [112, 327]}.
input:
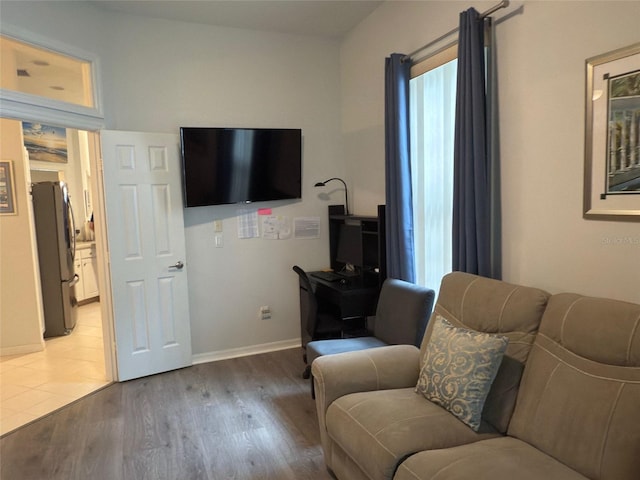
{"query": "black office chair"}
{"type": "Point", "coordinates": [402, 314]}
{"type": "Point", "coordinates": [315, 322]}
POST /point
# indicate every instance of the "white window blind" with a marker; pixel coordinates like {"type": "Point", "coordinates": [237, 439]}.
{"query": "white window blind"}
{"type": "Point", "coordinates": [432, 110]}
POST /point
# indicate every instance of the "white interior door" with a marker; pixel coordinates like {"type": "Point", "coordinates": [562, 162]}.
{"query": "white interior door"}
{"type": "Point", "coordinates": [146, 252]}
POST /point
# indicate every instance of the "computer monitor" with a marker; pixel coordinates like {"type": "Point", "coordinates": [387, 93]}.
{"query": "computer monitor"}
{"type": "Point", "coordinates": [350, 245]}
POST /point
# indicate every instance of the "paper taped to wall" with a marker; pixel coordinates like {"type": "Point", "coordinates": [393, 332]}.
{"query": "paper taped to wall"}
{"type": "Point", "coordinates": [306, 227]}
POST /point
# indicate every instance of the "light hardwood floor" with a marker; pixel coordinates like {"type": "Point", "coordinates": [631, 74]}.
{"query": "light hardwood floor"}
{"type": "Point", "coordinates": [244, 418]}
{"type": "Point", "coordinates": [69, 368]}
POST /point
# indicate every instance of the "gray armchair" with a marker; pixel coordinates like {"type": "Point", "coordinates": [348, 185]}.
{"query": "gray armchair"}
{"type": "Point", "coordinates": [402, 314]}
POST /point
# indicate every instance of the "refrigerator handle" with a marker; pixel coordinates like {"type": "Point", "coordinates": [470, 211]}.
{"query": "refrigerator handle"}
{"type": "Point", "coordinates": [73, 230]}
{"type": "Point", "coordinates": [74, 280]}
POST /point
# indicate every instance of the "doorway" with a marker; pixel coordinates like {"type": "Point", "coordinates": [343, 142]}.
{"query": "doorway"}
{"type": "Point", "coordinates": [70, 366]}
{"type": "Point", "coordinates": [169, 336]}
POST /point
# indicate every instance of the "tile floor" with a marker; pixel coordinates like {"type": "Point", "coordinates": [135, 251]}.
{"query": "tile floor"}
{"type": "Point", "coordinates": [69, 368]}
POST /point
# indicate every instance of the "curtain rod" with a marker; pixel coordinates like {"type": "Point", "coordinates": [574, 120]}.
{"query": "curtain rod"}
{"type": "Point", "coordinates": [495, 8]}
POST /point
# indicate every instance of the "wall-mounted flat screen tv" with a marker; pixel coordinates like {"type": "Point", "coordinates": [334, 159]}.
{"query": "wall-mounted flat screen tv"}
{"type": "Point", "coordinates": [240, 165]}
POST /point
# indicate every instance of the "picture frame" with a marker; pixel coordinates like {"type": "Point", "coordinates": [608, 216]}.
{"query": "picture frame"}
{"type": "Point", "coordinates": [45, 143]}
{"type": "Point", "coordinates": [612, 136]}
{"type": "Point", "coordinates": [7, 189]}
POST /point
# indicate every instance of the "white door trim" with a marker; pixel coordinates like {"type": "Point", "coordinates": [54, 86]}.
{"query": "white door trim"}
{"type": "Point", "coordinates": [102, 254]}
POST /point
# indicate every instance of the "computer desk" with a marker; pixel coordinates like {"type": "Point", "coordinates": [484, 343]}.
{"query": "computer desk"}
{"type": "Point", "coordinates": [355, 298]}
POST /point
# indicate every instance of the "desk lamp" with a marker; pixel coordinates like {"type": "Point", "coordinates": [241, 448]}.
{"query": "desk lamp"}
{"type": "Point", "coordinates": [346, 195]}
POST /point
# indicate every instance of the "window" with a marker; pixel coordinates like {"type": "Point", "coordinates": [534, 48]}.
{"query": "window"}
{"type": "Point", "coordinates": [36, 71]}
{"type": "Point", "coordinates": [432, 109]}
{"type": "Point", "coordinates": [44, 81]}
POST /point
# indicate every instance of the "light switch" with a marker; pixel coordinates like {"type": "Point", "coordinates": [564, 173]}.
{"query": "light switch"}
{"type": "Point", "coordinates": [217, 226]}
{"type": "Point", "coordinates": [218, 240]}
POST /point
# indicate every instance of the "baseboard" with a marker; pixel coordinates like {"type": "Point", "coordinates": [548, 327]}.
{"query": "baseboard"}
{"type": "Point", "coordinates": [21, 349]}
{"type": "Point", "coordinates": [245, 351]}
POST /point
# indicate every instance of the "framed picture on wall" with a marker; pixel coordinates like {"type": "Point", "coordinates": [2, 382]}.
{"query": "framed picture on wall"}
{"type": "Point", "coordinates": [7, 189]}
{"type": "Point", "coordinates": [45, 143]}
{"type": "Point", "coordinates": [612, 135]}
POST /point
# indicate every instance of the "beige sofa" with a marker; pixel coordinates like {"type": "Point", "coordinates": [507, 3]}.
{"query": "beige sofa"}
{"type": "Point", "coordinates": [565, 403]}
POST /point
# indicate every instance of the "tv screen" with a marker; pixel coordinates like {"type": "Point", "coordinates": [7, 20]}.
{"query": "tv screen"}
{"type": "Point", "coordinates": [240, 165]}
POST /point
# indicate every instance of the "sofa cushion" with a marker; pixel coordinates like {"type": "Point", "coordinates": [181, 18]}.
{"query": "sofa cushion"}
{"type": "Point", "coordinates": [580, 395]}
{"type": "Point", "coordinates": [459, 368]}
{"type": "Point", "coordinates": [495, 459]}
{"type": "Point", "coordinates": [378, 429]}
{"type": "Point", "coordinates": [319, 348]}
{"type": "Point", "coordinates": [493, 306]}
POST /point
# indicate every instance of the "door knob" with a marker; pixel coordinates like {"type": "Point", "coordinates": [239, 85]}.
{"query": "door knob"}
{"type": "Point", "coordinates": [177, 265]}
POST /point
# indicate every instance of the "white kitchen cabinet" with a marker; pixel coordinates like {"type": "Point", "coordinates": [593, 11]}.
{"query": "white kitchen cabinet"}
{"type": "Point", "coordinates": [79, 287]}
{"type": "Point", "coordinates": [85, 267]}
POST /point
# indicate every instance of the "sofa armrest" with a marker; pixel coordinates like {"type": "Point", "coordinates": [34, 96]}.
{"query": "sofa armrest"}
{"type": "Point", "coordinates": [382, 368]}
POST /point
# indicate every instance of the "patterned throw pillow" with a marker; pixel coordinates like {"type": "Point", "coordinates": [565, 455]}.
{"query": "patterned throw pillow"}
{"type": "Point", "coordinates": [460, 366]}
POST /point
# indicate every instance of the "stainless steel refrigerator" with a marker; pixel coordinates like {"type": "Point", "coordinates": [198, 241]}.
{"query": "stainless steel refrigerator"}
{"type": "Point", "coordinates": [55, 232]}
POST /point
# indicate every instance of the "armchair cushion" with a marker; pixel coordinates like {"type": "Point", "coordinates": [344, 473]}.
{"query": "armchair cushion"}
{"type": "Point", "coordinates": [502, 458]}
{"type": "Point", "coordinates": [459, 368]}
{"type": "Point", "coordinates": [379, 429]}
{"type": "Point", "coordinates": [318, 348]}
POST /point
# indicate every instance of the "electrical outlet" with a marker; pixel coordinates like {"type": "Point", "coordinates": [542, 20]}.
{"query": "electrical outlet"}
{"type": "Point", "coordinates": [265, 312]}
{"type": "Point", "coordinates": [217, 226]}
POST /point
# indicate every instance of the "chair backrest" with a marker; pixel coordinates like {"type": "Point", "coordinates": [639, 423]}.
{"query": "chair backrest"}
{"type": "Point", "coordinates": [579, 401]}
{"type": "Point", "coordinates": [308, 307]}
{"type": "Point", "coordinates": [493, 306]}
{"type": "Point", "coordinates": [402, 312]}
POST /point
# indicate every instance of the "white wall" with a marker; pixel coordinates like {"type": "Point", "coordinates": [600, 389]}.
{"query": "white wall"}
{"type": "Point", "coordinates": [546, 241]}
{"type": "Point", "coordinates": [542, 50]}
{"type": "Point", "coordinates": [230, 77]}
{"type": "Point", "coordinates": [159, 75]}
{"type": "Point", "coordinates": [20, 329]}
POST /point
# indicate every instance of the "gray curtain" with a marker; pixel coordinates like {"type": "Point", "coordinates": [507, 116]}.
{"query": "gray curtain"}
{"type": "Point", "coordinates": [399, 206]}
{"type": "Point", "coordinates": [473, 251]}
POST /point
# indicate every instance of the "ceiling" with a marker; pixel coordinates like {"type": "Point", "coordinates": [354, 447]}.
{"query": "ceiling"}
{"type": "Point", "coordinates": [44, 73]}
{"type": "Point", "coordinates": [327, 18]}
